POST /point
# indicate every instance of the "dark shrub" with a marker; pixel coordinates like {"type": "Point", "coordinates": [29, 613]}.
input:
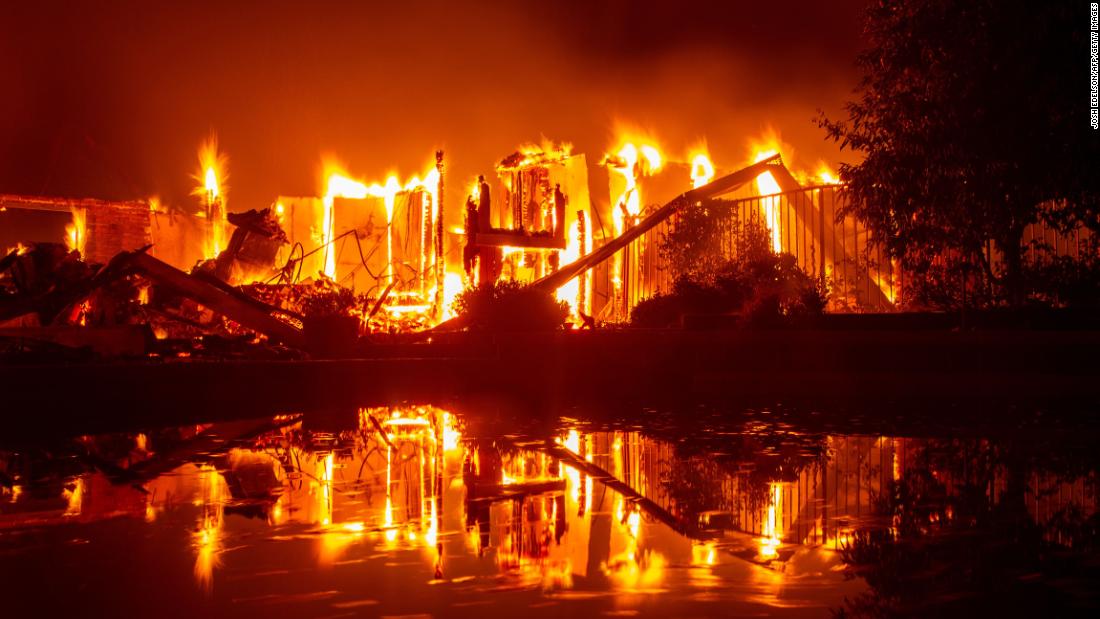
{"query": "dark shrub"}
{"type": "Point", "coordinates": [663, 310]}
{"type": "Point", "coordinates": [763, 290]}
{"type": "Point", "coordinates": [509, 306]}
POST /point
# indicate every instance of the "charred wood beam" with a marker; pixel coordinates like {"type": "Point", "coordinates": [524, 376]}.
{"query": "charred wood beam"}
{"type": "Point", "coordinates": [248, 312]}
{"type": "Point", "coordinates": [55, 300]}
{"type": "Point", "coordinates": [784, 178]}
{"type": "Point", "coordinates": [212, 279]}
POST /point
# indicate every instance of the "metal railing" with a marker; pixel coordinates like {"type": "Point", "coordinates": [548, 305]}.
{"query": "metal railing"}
{"type": "Point", "coordinates": [802, 223]}
{"type": "Point", "coordinates": [857, 273]}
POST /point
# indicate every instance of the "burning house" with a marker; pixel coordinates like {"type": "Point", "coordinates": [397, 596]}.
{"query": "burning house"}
{"type": "Point", "coordinates": [387, 243]}
{"type": "Point", "coordinates": [385, 257]}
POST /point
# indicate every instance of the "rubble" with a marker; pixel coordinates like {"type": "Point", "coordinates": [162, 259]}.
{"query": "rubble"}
{"type": "Point", "coordinates": [252, 247]}
{"type": "Point", "coordinates": [137, 304]}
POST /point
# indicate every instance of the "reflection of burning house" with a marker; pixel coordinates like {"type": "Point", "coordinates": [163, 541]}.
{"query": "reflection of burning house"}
{"type": "Point", "coordinates": [603, 505]}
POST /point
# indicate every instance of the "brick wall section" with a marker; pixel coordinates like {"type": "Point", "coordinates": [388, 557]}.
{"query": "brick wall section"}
{"type": "Point", "coordinates": [113, 227]}
{"type": "Point", "coordinates": [110, 226]}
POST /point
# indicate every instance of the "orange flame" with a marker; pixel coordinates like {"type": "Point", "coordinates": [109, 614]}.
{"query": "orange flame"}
{"type": "Point", "coordinates": [826, 176]}
{"type": "Point", "coordinates": [337, 185]}
{"type": "Point", "coordinates": [633, 159]}
{"type": "Point", "coordinates": [766, 185]}
{"type": "Point", "coordinates": [702, 170]}
{"type": "Point", "coordinates": [76, 232]}
{"type": "Point", "coordinates": [211, 177]}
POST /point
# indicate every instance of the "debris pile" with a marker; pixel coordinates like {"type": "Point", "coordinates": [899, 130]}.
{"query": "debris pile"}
{"type": "Point", "coordinates": [137, 305]}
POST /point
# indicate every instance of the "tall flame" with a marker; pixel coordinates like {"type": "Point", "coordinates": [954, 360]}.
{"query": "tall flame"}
{"type": "Point", "coordinates": [212, 176]}
{"type": "Point", "coordinates": [570, 292]}
{"type": "Point", "coordinates": [630, 161]}
{"type": "Point", "coordinates": [452, 287]}
{"type": "Point", "coordinates": [211, 182]}
{"type": "Point", "coordinates": [76, 232]}
{"type": "Point", "coordinates": [766, 185]}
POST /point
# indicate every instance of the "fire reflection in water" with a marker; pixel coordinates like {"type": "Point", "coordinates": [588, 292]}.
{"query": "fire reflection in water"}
{"type": "Point", "coordinates": [615, 509]}
{"type": "Point", "coordinates": [543, 521]}
{"type": "Point", "coordinates": [207, 539]}
{"type": "Point", "coordinates": [771, 535]}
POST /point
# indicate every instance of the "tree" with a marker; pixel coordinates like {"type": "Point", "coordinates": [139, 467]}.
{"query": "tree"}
{"type": "Point", "coordinates": [972, 119]}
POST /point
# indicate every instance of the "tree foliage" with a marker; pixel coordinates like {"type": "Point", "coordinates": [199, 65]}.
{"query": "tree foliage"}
{"type": "Point", "coordinates": [692, 247]}
{"type": "Point", "coordinates": [972, 121]}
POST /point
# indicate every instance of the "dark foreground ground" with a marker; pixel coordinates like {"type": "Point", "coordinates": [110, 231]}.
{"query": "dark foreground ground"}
{"type": "Point", "coordinates": [982, 370]}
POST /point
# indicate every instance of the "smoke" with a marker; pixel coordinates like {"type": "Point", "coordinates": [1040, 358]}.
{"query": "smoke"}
{"type": "Point", "coordinates": [113, 100]}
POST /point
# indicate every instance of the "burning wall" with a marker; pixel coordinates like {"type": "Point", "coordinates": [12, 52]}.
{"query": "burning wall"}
{"type": "Point", "coordinates": [178, 238]}
{"type": "Point", "coordinates": [298, 216]}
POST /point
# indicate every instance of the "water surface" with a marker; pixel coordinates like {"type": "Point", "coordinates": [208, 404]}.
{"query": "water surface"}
{"type": "Point", "coordinates": [421, 510]}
